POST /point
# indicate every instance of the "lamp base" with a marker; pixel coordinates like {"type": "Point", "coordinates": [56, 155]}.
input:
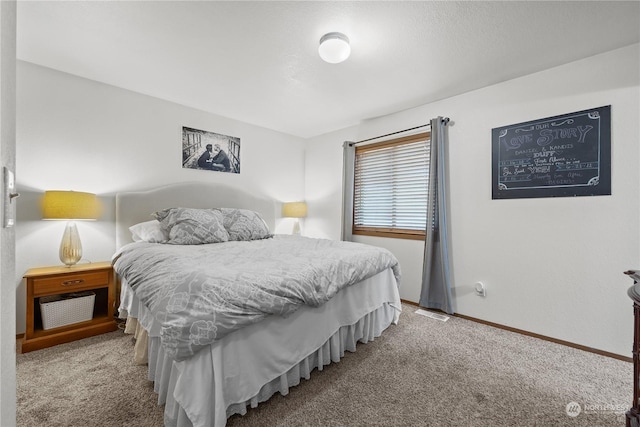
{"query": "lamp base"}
{"type": "Point", "coordinates": [296, 227]}
{"type": "Point", "coordinates": [70, 246]}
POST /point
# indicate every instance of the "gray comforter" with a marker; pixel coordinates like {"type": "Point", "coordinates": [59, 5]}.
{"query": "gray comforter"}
{"type": "Point", "coordinates": [200, 293]}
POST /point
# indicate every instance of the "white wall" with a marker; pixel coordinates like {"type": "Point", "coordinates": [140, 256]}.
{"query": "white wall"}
{"type": "Point", "coordinates": [77, 134]}
{"type": "Point", "coordinates": [552, 266]}
{"type": "Point", "coordinates": [7, 235]}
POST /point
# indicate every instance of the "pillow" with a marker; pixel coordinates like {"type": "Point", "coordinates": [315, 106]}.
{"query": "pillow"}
{"type": "Point", "coordinates": [148, 231]}
{"type": "Point", "coordinates": [243, 224]}
{"type": "Point", "coordinates": [187, 226]}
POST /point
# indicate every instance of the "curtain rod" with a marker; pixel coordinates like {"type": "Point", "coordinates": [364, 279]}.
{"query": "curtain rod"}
{"type": "Point", "coordinates": [351, 144]}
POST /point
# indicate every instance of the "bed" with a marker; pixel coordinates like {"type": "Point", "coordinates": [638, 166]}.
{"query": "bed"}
{"type": "Point", "coordinates": [250, 352]}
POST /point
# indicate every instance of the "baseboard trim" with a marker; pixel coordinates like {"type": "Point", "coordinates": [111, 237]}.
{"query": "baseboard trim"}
{"type": "Point", "coordinates": [534, 335]}
{"type": "Point", "coordinates": [19, 336]}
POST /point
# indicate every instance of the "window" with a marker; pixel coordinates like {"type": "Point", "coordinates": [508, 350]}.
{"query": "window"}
{"type": "Point", "coordinates": [391, 188]}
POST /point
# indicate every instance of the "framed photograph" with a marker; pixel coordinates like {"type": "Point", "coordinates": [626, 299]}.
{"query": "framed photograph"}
{"type": "Point", "coordinates": [210, 151]}
{"type": "Point", "coordinates": [561, 156]}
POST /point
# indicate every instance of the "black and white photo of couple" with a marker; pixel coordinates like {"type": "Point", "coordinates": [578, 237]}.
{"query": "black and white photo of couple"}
{"type": "Point", "coordinates": [210, 151]}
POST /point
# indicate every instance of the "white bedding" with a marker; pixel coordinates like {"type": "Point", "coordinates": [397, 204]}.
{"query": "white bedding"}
{"type": "Point", "coordinates": [247, 366]}
{"type": "Point", "coordinates": [201, 292]}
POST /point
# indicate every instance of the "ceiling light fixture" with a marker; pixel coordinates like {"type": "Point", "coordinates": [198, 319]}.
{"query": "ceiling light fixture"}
{"type": "Point", "coordinates": [334, 48]}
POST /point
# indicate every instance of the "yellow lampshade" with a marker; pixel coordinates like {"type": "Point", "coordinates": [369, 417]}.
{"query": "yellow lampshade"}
{"type": "Point", "coordinates": [294, 210]}
{"type": "Point", "coordinates": [69, 205]}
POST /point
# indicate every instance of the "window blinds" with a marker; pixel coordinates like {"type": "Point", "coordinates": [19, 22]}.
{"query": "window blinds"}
{"type": "Point", "coordinates": [391, 185]}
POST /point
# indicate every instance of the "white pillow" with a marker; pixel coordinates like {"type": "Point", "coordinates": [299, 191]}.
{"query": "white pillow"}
{"type": "Point", "coordinates": [148, 231]}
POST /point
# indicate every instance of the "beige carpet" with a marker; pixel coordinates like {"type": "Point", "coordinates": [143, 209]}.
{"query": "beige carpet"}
{"type": "Point", "coordinates": [421, 372]}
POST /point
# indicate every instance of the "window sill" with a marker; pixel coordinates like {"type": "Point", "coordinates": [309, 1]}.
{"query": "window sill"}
{"type": "Point", "coordinates": [413, 235]}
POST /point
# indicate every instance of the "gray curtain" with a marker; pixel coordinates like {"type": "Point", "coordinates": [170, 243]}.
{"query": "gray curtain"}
{"type": "Point", "coordinates": [436, 275]}
{"type": "Point", "coordinates": [348, 174]}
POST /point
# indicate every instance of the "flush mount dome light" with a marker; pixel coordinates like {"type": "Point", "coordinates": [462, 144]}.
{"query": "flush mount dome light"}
{"type": "Point", "coordinates": [334, 48]}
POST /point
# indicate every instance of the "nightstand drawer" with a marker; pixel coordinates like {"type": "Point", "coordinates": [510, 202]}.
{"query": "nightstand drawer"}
{"type": "Point", "coordinates": [69, 282]}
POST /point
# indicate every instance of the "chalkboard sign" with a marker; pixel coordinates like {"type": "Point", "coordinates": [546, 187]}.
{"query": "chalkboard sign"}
{"type": "Point", "coordinates": [561, 156]}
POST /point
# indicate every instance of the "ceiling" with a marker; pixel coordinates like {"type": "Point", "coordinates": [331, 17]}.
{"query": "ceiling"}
{"type": "Point", "coordinates": [258, 62]}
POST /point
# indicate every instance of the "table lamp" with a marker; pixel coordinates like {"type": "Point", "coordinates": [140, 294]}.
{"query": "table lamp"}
{"type": "Point", "coordinates": [70, 205]}
{"type": "Point", "coordinates": [294, 210]}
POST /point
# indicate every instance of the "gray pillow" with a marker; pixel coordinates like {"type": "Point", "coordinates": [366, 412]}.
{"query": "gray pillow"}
{"type": "Point", "coordinates": [243, 224]}
{"type": "Point", "coordinates": [187, 226]}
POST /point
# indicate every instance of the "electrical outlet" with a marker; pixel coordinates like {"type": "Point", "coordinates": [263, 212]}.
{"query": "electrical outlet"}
{"type": "Point", "coordinates": [481, 291]}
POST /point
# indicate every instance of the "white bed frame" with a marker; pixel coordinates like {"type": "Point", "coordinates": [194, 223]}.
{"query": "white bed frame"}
{"type": "Point", "coordinates": [229, 376]}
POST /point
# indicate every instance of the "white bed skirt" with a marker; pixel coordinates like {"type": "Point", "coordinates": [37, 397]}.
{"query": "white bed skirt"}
{"type": "Point", "coordinates": [250, 365]}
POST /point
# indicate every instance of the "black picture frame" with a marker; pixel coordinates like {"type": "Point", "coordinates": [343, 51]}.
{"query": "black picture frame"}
{"type": "Point", "coordinates": [560, 156]}
{"type": "Point", "coordinates": [210, 151]}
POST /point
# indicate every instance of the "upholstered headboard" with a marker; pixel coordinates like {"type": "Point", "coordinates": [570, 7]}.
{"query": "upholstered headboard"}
{"type": "Point", "coordinates": [135, 207]}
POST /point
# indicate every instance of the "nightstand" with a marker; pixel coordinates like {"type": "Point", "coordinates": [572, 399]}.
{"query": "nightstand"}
{"type": "Point", "coordinates": [97, 277]}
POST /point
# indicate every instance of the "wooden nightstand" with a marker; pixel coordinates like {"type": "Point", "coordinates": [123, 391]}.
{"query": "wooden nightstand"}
{"type": "Point", "coordinates": [97, 277]}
